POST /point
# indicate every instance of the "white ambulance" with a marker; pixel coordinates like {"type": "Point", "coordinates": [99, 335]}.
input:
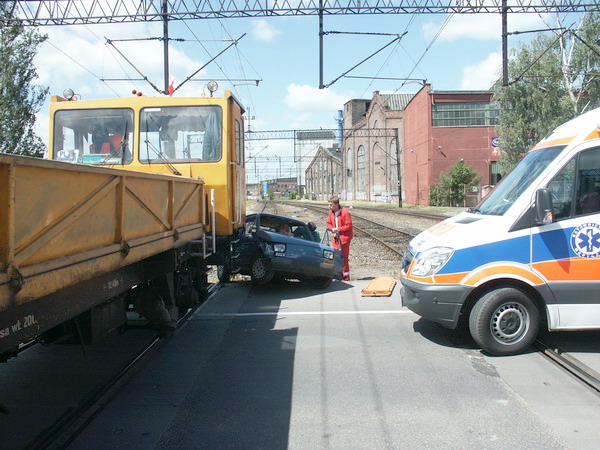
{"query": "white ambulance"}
{"type": "Point", "coordinates": [527, 256]}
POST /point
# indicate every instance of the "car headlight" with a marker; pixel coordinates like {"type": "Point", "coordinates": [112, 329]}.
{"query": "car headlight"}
{"type": "Point", "coordinates": [279, 248]}
{"type": "Point", "coordinates": [430, 261]}
{"type": "Point", "coordinates": [327, 254]}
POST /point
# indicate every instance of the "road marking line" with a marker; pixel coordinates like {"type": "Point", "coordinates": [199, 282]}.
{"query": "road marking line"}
{"type": "Point", "coordinates": [300, 313]}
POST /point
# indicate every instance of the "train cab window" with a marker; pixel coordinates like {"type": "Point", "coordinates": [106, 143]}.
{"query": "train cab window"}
{"type": "Point", "coordinates": [180, 134]}
{"type": "Point", "coordinates": [93, 136]}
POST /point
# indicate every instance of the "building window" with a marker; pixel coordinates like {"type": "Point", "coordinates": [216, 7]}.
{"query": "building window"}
{"type": "Point", "coordinates": [349, 165]}
{"type": "Point", "coordinates": [495, 175]}
{"type": "Point", "coordinates": [360, 169]}
{"type": "Point", "coordinates": [467, 114]}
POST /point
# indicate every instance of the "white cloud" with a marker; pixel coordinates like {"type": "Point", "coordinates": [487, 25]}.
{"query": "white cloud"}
{"type": "Point", "coordinates": [313, 107]}
{"type": "Point", "coordinates": [263, 31]}
{"type": "Point", "coordinates": [306, 99]}
{"type": "Point", "coordinates": [481, 76]}
{"type": "Point", "coordinates": [480, 26]}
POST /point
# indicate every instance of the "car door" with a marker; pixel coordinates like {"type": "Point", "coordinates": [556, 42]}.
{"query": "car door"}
{"type": "Point", "coordinates": [567, 252]}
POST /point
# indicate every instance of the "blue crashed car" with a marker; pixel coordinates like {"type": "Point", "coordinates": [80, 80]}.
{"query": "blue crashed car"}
{"type": "Point", "coordinates": [264, 252]}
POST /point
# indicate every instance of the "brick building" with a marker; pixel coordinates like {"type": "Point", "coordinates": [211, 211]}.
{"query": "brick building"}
{"type": "Point", "coordinates": [323, 177]}
{"type": "Point", "coordinates": [373, 141]}
{"type": "Point", "coordinates": [440, 127]}
{"type": "Point", "coordinates": [283, 186]}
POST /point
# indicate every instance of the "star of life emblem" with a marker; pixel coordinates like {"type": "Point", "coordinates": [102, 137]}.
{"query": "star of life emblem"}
{"type": "Point", "coordinates": [585, 240]}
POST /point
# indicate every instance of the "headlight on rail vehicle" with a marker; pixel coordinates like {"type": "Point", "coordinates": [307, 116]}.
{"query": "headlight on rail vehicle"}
{"type": "Point", "coordinates": [430, 261]}
{"type": "Point", "coordinates": [327, 254]}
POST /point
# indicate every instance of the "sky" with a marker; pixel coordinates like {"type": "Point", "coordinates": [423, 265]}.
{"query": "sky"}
{"type": "Point", "coordinates": [457, 52]}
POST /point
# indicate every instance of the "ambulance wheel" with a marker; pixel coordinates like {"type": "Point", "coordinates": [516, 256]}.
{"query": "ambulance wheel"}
{"type": "Point", "coordinates": [504, 321]}
{"type": "Point", "coordinates": [260, 273]}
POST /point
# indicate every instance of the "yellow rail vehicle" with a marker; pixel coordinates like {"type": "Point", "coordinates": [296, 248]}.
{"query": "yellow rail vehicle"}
{"type": "Point", "coordinates": [141, 195]}
{"type": "Point", "coordinates": [187, 137]}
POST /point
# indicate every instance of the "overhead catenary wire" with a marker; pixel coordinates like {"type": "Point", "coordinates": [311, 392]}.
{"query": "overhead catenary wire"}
{"type": "Point", "coordinates": [83, 67]}
{"type": "Point", "coordinates": [144, 77]}
{"type": "Point", "coordinates": [117, 60]}
{"type": "Point", "coordinates": [439, 32]}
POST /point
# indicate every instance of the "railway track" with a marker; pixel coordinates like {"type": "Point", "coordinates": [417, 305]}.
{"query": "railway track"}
{"type": "Point", "coordinates": [391, 238]}
{"type": "Point", "coordinates": [68, 426]}
{"type": "Point", "coordinates": [396, 211]}
{"type": "Point", "coordinates": [572, 365]}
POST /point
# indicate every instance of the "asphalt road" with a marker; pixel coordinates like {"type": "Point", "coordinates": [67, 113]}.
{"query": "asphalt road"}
{"type": "Point", "coordinates": [285, 366]}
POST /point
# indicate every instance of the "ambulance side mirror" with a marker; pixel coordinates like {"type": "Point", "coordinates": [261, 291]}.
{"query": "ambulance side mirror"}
{"type": "Point", "coordinates": [544, 211]}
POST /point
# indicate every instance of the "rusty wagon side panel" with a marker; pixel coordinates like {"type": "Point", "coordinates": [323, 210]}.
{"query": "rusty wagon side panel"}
{"type": "Point", "coordinates": [62, 224]}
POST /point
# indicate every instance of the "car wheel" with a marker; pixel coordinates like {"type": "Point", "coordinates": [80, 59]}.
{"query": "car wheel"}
{"type": "Point", "coordinates": [319, 282]}
{"type": "Point", "coordinates": [224, 273]}
{"type": "Point", "coordinates": [260, 273]}
{"type": "Point", "coordinates": [504, 321]}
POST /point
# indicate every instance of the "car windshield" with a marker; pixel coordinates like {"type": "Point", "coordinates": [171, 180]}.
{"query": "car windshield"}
{"type": "Point", "coordinates": [517, 181]}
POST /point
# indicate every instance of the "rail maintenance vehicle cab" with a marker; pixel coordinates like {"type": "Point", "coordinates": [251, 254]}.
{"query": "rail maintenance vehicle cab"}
{"type": "Point", "coordinates": [527, 256]}
{"type": "Point", "coordinates": [188, 137]}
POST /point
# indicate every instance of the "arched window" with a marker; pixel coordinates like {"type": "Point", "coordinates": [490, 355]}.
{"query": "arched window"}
{"type": "Point", "coordinates": [360, 169]}
{"type": "Point", "coordinates": [349, 170]}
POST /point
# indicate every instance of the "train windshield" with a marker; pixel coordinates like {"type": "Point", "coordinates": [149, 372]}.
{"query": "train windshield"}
{"type": "Point", "coordinates": [180, 134]}
{"type": "Point", "coordinates": [100, 136]}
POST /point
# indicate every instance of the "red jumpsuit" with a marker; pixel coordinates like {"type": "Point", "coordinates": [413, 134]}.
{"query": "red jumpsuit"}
{"type": "Point", "coordinates": [344, 226]}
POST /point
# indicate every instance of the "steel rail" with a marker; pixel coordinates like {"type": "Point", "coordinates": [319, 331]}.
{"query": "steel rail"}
{"type": "Point", "coordinates": [372, 236]}
{"type": "Point", "coordinates": [572, 365]}
{"type": "Point", "coordinates": [402, 212]}
{"type": "Point", "coordinates": [68, 426]}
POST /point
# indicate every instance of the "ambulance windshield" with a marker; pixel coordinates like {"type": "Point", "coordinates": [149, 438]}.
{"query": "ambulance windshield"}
{"type": "Point", "coordinates": [517, 181]}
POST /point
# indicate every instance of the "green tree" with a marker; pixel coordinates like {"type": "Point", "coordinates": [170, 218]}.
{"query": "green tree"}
{"type": "Point", "coordinates": [453, 184]}
{"type": "Point", "coordinates": [554, 78]}
{"type": "Point", "coordinates": [20, 99]}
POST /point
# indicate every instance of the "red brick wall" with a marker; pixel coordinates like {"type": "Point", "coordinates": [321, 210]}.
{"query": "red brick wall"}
{"type": "Point", "coordinates": [429, 151]}
{"type": "Point", "coordinates": [417, 136]}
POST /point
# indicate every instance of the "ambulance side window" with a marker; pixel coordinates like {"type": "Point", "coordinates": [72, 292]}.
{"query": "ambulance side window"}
{"type": "Point", "coordinates": [588, 183]}
{"type": "Point", "coordinates": [562, 191]}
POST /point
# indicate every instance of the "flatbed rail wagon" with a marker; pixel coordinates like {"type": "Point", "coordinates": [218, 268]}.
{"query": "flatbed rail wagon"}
{"type": "Point", "coordinates": [139, 195]}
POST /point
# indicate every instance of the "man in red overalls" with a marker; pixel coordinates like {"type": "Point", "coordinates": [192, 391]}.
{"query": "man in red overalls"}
{"type": "Point", "coordinates": [339, 222]}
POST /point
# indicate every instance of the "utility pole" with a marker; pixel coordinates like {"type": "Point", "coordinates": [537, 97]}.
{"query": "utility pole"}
{"type": "Point", "coordinates": [165, 10]}
{"type": "Point", "coordinates": [504, 43]}
{"type": "Point", "coordinates": [399, 169]}
{"type": "Point", "coordinates": [321, 86]}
